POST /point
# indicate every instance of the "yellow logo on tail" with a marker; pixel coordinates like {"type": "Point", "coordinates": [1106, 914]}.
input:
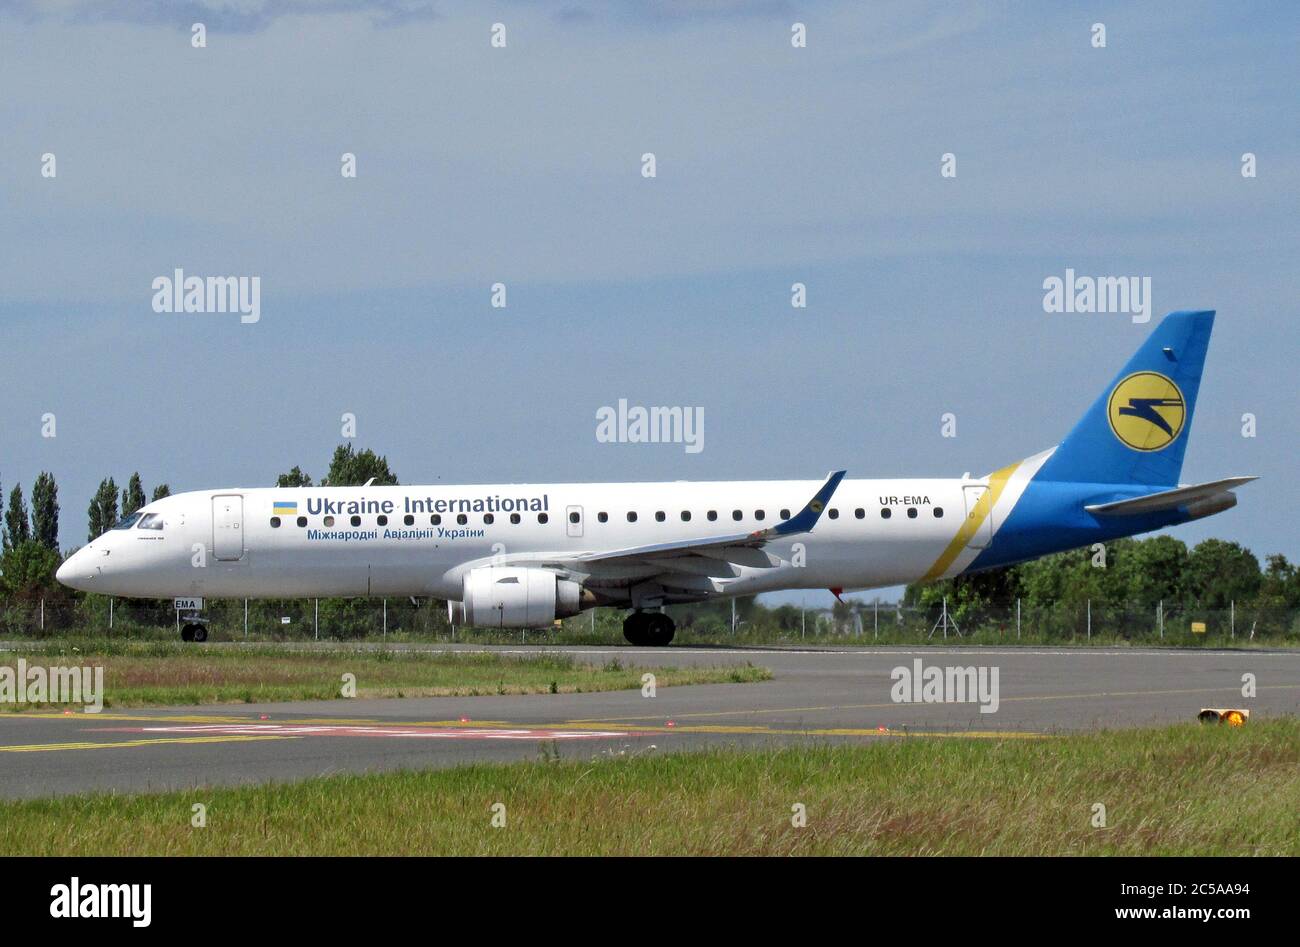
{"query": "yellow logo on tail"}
{"type": "Point", "coordinates": [1146, 411]}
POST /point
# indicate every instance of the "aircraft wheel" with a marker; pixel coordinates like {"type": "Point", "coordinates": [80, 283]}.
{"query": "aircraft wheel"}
{"type": "Point", "coordinates": [634, 629]}
{"type": "Point", "coordinates": [659, 630]}
{"type": "Point", "coordinates": [194, 632]}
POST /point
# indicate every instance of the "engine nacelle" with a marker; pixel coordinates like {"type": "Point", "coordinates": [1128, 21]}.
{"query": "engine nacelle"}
{"type": "Point", "coordinates": [513, 597]}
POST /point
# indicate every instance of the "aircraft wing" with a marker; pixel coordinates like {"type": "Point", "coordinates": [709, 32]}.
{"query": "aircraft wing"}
{"type": "Point", "coordinates": [1167, 499]}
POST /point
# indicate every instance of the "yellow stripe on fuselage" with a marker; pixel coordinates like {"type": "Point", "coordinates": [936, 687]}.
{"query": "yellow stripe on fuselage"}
{"type": "Point", "coordinates": [970, 526]}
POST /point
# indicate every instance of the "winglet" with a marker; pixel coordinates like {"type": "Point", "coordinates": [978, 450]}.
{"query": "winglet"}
{"type": "Point", "coordinates": [807, 518]}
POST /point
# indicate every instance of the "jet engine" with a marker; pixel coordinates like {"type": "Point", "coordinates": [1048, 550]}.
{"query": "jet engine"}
{"type": "Point", "coordinates": [513, 597]}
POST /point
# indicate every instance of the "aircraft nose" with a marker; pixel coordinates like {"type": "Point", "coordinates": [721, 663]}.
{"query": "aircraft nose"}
{"type": "Point", "coordinates": [75, 571]}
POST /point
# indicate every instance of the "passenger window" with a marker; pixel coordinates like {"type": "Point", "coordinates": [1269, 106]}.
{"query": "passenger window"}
{"type": "Point", "coordinates": [355, 521]}
{"type": "Point", "coordinates": [302, 521]}
{"type": "Point", "coordinates": [659, 516]}
{"type": "Point", "coordinates": [736, 514]}
{"type": "Point", "coordinates": [686, 516]}
{"type": "Point", "coordinates": [574, 517]}
{"type": "Point", "coordinates": [382, 520]}
{"type": "Point", "coordinates": [759, 514]}
{"type": "Point", "coordinates": [785, 514]}
{"type": "Point", "coordinates": [631, 517]}
{"type": "Point", "coordinates": [275, 522]}
{"type": "Point", "coordinates": [489, 519]}
{"type": "Point", "coordinates": [886, 512]}
{"type": "Point", "coordinates": [911, 512]}
{"type": "Point", "coordinates": [938, 512]}
{"type": "Point", "coordinates": [859, 512]}
{"type": "Point", "coordinates": [514, 518]}
{"type": "Point", "coordinates": [461, 519]}
{"type": "Point", "coordinates": [408, 520]}
{"type": "Point", "coordinates": [603, 517]}
{"type": "Point", "coordinates": [833, 513]}
{"type": "Point", "coordinates": [435, 520]}
{"type": "Point", "coordinates": [711, 515]}
{"type": "Point", "coordinates": [329, 521]}
{"type": "Point", "coordinates": [151, 521]}
{"type": "Point", "coordinates": [543, 518]}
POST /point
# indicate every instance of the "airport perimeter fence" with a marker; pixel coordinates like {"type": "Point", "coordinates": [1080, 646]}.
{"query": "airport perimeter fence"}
{"type": "Point", "coordinates": [861, 623]}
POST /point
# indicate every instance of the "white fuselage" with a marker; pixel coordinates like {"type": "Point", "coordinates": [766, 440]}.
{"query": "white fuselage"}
{"type": "Point", "coordinates": [421, 540]}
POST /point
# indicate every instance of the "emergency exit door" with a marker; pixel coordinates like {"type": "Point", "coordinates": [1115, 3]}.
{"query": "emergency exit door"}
{"type": "Point", "coordinates": [228, 527]}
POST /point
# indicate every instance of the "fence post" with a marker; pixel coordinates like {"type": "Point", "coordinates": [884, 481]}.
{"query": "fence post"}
{"type": "Point", "coordinates": [876, 619]}
{"type": "Point", "coordinates": [1089, 619]}
{"type": "Point", "coordinates": [1017, 618]}
{"type": "Point", "coordinates": [110, 613]}
{"type": "Point", "coordinates": [385, 618]}
{"type": "Point", "coordinates": [1232, 617]}
{"type": "Point", "coordinates": [316, 620]}
{"type": "Point", "coordinates": [1160, 613]}
{"type": "Point", "coordinates": [246, 619]}
{"type": "Point", "coordinates": [42, 613]}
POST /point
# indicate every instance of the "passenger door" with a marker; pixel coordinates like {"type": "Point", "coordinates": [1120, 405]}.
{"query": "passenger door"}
{"type": "Point", "coordinates": [228, 527]}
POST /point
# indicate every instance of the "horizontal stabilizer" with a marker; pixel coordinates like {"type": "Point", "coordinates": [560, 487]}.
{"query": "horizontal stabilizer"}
{"type": "Point", "coordinates": [1167, 499]}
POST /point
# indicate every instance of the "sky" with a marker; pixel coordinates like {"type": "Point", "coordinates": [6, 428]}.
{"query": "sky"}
{"type": "Point", "coordinates": [523, 165]}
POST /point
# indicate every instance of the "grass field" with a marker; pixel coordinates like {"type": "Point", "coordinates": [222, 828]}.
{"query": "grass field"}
{"type": "Point", "coordinates": [1188, 789]}
{"type": "Point", "coordinates": [166, 673]}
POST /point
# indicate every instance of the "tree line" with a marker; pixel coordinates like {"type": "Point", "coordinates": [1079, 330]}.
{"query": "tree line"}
{"type": "Point", "coordinates": [1213, 574]}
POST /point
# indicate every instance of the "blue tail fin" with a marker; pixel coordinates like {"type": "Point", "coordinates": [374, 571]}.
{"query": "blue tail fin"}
{"type": "Point", "coordinates": [1136, 432]}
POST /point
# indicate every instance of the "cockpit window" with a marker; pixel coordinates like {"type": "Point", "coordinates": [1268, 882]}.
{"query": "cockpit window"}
{"type": "Point", "coordinates": [129, 521]}
{"type": "Point", "coordinates": [152, 521]}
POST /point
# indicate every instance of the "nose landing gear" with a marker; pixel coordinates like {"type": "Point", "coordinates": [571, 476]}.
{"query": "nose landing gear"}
{"type": "Point", "coordinates": [648, 629]}
{"type": "Point", "coordinates": [195, 629]}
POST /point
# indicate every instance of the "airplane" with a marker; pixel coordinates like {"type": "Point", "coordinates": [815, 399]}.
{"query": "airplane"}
{"type": "Point", "coordinates": [524, 555]}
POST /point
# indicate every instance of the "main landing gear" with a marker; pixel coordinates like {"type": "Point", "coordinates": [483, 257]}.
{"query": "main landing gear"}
{"type": "Point", "coordinates": [194, 632]}
{"type": "Point", "coordinates": [648, 629]}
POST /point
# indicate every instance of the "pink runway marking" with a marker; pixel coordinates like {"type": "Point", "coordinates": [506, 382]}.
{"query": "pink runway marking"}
{"type": "Point", "coordinates": [431, 733]}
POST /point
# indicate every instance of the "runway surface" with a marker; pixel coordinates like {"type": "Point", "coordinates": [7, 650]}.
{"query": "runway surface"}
{"type": "Point", "coordinates": [816, 695]}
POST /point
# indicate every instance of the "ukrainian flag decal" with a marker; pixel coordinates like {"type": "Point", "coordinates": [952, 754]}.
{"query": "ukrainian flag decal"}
{"type": "Point", "coordinates": [285, 508]}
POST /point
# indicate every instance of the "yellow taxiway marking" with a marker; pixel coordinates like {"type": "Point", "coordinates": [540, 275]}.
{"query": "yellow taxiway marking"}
{"type": "Point", "coordinates": [891, 704]}
{"type": "Point", "coordinates": [808, 731]}
{"type": "Point", "coordinates": [82, 715]}
{"type": "Point", "coordinates": [40, 747]}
